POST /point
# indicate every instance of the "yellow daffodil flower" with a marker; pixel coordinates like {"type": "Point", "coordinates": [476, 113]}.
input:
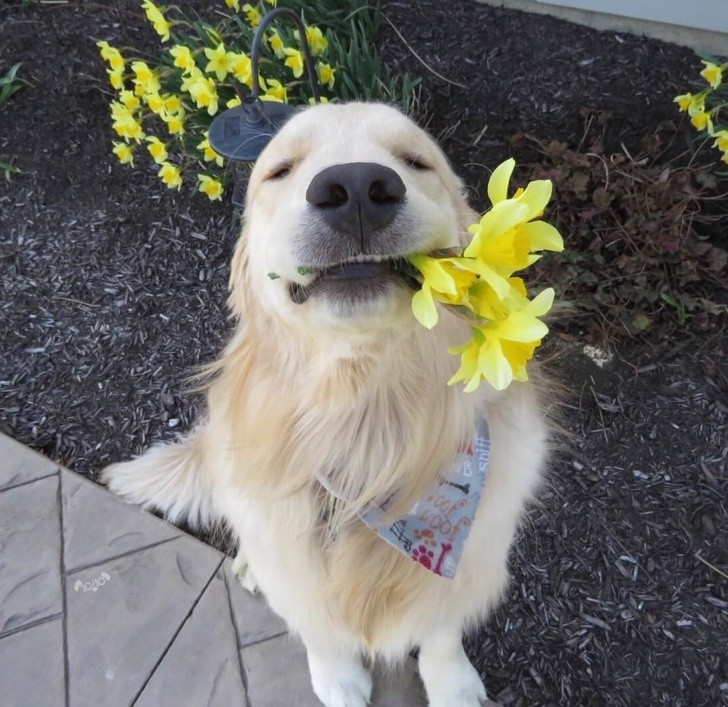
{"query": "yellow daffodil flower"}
{"type": "Point", "coordinates": [326, 75]}
{"type": "Point", "coordinates": [173, 105]}
{"type": "Point", "coordinates": [157, 18]}
{"type": "Point", "coordinates": [155, 103]}
{"type": "Point", "coordinates": [124, 153]}
{"type": "Point", "coordinates": [312, 101]}
{"type": "Point", "coordinates": [111, 55]}
{"type": "Point", "coordinates": [157, 149]}
{"type": "Point", "coordinates": [170, 175]}
{"type": "Point", "coordinates": [483, 300]}
{"type": "Point", "coordinates": [275, 91]}
{"type": "Point", "coordinates": [683, 101]}
{"type": "Point", "coordinates": [702, 121]}
{"type": "Point", "coordinates": [208, 153]}
{"type": "Point", "coordinates": [500, 349]}
{"type": "Point", "coordinates": [129, 100]}
{"type": "Point", "coordinates": [241, 68]}
{"type": "Point", "coordinates": [183, 58]}
{"type": "Point", "coordinates": [316, 40]}
{"type": "Point", "coordinates": [190, 78]}
{"type": "Point", "coordinates": [233, 102]}
{"type": "Point", "coordinates": [294, 61]}
{"type": "Point", "coordinates": [204, 93]}
{"type": "Point", "coordinates": [219, 63]}
{"type": "Point", "coordinates": [124, 123]}
{"type": "Point", "coordinates": [175, 125]}
{"type": "Point", "coordinates": [506, 237]}
{"type": "Point", "coordinates": [507, 328]}
{"type": "Point", "coordinates": [712, 73]}
{"type": "Point", "coordinates": [696, 105]}
{"type": "Point", "coordinates": [276, 44]}
{"type": "Point", "coordinates": [721, 140]}
{"type": "Point", "coordinates": [211, 187]}
{"type": "Point", "coordinates": [252, 14]}
{"type": "Point", "coordinates": [233, 5]}
{"type": "Point", "coordinates": [443, 281]}
{"type": "Point", "coordinates": [145, 80]}
{"type": "Point", "coordinates": [116, 79]}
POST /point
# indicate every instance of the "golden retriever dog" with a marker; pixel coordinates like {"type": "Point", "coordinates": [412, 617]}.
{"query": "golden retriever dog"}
{"type": "Point", "coordinates": [330, 398]}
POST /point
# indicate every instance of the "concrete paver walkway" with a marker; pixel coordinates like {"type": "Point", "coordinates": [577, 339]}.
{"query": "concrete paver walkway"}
{"type": "Point", "coordinates": [104, 604]}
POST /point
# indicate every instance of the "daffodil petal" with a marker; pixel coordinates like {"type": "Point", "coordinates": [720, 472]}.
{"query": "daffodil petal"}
{"type": "Point", "coordinates": [502, 218]}
{"type": "Point", "coordinates": [500, 284]}
{"type": "Point", "coordinates": [424, 309]}
{"type": "Point", "coordinates": [494, 365]}
{"type": "Point", "coordinates": [542, 303]}
{"type": "Point", "coordinates": [521, 327]}
{"type": "Point", "coordinates": [499, 180]}
{"type": "Point", "coordinates": [543, 236]}
{"type": "Point", "coordinates": [474, 383]}
{"type": "Point", "coordinates": [535, 197]}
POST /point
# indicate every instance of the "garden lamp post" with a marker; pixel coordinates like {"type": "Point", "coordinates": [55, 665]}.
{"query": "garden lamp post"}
{"type": "Point", "coordinates": [240, 133]}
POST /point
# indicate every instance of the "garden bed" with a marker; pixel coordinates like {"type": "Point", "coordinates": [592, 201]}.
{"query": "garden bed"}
{"type": "Point", "coordinates": [113, 288]}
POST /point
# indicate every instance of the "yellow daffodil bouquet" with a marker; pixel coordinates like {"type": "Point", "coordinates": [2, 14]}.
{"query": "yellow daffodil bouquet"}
{"type": "Point", "coordinates": [708, 108]}
{"type": "Point", "coordinates": [506, 324]}
{"type": "Point", "coordinates": [166, 103]}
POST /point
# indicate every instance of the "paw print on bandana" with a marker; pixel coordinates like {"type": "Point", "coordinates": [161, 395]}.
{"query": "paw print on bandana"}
{"type": "Point", "coordinates": [422, 555]}
{"type": "Point", "coordinates": [426, 536]}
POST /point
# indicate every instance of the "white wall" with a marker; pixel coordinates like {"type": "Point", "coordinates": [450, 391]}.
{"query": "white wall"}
{"type": "Point", "coordinates": [709, 15]}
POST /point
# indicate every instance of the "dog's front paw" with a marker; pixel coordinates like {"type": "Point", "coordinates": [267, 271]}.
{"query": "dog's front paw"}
{"type": "Point", "coordinates": [451, 681]}
{"type": "Point", "coordinates": [340, 681]}
{"type": "Point", "coordinates": [241, 569]}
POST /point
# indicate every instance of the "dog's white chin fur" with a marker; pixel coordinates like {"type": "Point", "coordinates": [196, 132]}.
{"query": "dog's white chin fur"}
{"type": "Point", "coordinates": [285, 407]}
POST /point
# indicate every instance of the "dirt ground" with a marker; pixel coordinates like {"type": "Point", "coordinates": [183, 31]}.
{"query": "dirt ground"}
{"type": "Point", "coordinates": [111, 290]}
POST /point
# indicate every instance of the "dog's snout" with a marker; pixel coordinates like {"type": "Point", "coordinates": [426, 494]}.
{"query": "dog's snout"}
{"type": "Point", "coordinates": [358, 197]}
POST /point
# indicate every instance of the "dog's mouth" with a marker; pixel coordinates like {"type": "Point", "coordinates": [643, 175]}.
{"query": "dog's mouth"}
{"type": "Point", "coordinates": [360, 277]}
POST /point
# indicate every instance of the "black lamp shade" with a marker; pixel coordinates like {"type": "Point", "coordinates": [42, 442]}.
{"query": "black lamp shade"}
{"type": "Point", "coordinates": [241, 133]}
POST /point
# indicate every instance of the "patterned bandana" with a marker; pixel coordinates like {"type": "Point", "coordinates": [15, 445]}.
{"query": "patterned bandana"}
{"type": "Point", "coordinates": [434, 531]}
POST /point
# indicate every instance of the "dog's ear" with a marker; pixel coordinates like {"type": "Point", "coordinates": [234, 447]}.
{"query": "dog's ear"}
{"type": "Point", "coordinates": [466, 215]}
{"type": "Point", "coordinates": [239, 269]}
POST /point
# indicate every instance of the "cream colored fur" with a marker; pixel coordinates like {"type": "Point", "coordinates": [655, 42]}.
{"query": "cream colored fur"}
{"type": "Point", "coordinates": [301, 391]}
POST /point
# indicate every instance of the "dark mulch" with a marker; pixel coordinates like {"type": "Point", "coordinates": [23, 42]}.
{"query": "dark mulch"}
{"type": "Point", "coordinates": [112, 290]}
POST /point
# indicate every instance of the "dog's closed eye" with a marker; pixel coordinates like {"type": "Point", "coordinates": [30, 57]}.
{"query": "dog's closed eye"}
{"type": "Point", "coordinates": [416, 162]}
{"type": "Point", "coordinates": [281, 170]}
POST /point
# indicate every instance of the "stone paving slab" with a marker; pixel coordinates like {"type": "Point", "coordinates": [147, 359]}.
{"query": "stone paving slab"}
{"type": "Point", "coordinates": [123, 615]}
{"type": "Point", "coordinates": [31, 667]}
{"type": "Point", "coordinates": [134, 609]}
{"type": "Point", "coordinates": [20, 464]}
{"type": "Point", "coordinates": [277, 673]}
{"type": "Point", "coordinates": [254, 621]}
{"type": "Point", "coordinates": [89, 536]}
{"type": "Point", "coordinates": [202, 666]}
{"type": "Point", "coordinates": [30, 545]}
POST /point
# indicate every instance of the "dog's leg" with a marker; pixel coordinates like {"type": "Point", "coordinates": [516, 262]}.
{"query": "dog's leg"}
{"type": "Point", "coordinates": [169, 478]}
{"type": "Point", "coordinates": [241, 569]}
{"type": "Point", "coordinates": [450, 679]}
{"type": "Point", "coordinates": [338, 677]}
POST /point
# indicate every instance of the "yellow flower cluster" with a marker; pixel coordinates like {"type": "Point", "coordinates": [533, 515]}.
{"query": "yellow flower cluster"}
{"type": "Point", "coordinates": [701, 117]}
{"type": "Point", "coordinates": [191, 83]}
{"type": "Point", "coordinates": [507, 329]}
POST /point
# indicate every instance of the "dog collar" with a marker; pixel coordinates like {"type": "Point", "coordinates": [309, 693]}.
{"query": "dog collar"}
{"type": "Point", "coordinates": [435, 529]}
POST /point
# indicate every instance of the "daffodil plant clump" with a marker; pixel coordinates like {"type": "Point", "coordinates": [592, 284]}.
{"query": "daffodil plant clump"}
{"type": "Point", "coordinates": [506, 325]}
{"type": "Point", "coordinates": [708, 108]}
{"type": "Point", "coordinates": [164, 106]}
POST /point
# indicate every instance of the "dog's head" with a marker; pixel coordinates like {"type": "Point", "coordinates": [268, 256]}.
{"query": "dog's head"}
{"type": "Point", "coordinates": [340, 195]}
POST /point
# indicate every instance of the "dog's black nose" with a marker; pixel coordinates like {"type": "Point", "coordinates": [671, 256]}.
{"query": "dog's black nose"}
{"type": "Point", "coordinates": [358, 197]}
